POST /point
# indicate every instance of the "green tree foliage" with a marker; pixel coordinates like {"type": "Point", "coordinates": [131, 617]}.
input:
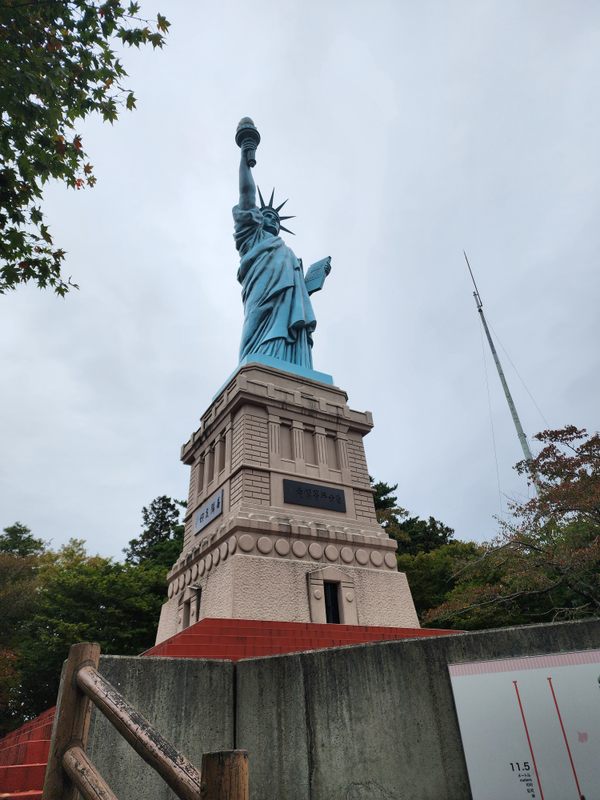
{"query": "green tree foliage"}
{"type": "Point", "coordinates": [18, 587]}
{"type": "Point", "coordinates": [545, 564]}
{"type": "Point", "coordinates": [433, 575]}
{"type": "Point", "coordinates": [162, 538]}
{"type": "Point", "coordinates": [84, 598]}
{"type": "Point", "coordinates": [18, 583]}
{"type": "Point", "coordinates": [52, 599]}
{"type": "Point", "coordinates": [9, 682]}
{"type": "Point", "coordinates": [389, 514]}
{"type": "Point", "coordinates": [385, 500]}
{"type": "Point", "coordinates": [58, 65]}
{"type": "Point", "coordinates": [427, 552]}
{"type": "Point", "coordinates": [18, 540]}
{"type": "Point", "coordinates": [424, 536]}
{"type": "Point", "coordinates": [413, 534]}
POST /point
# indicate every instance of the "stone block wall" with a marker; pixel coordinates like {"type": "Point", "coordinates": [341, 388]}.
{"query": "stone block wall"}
{"type": "Point", "coordinates": [363, 504]}
{"type": "Point", "coordinates": [358, 462]}
{"type": "Point", "coordinates": [252, 486]}
{"type": "Point", "coordinates": [250, 443]}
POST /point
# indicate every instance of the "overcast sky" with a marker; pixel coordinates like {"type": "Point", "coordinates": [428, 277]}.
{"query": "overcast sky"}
{"type": "Point", "coordinates": [402, 133]}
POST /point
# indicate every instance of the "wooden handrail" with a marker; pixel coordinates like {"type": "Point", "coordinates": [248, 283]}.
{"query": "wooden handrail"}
{"type": "Point", "coordinates": [85, 776]}
{"type": "Point", "coordinates": [69, 770]}
{"type": "Point", "coordinates": [181, 775]}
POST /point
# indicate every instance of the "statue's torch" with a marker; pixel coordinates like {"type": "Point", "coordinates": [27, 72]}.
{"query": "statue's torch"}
{"type": "Point", "coordinates": [248, 138]}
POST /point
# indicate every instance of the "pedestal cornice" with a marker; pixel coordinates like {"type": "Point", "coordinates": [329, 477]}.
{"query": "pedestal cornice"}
{"type": "Point", "coordinates": [279, 392]}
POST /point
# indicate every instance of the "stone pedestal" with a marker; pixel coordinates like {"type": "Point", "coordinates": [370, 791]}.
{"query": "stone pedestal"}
{"type": "Point", "coordinates": [280, 512]}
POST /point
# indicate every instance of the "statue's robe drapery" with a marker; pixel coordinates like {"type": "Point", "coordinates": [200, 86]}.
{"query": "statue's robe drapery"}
{"type": "Point", "coordinates": [278, 315]}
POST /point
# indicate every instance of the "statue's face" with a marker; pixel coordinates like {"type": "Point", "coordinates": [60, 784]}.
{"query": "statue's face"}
{"type": "Point", "coordinates": [271, 223]}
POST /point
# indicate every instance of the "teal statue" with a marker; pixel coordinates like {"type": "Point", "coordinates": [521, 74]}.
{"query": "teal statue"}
{"type": "Point", "coordinates": [279, 320]}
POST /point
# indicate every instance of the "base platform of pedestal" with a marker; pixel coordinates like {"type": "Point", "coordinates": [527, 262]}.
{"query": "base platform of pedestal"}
{"type": "Point", "coordinates": [234, 639]}
{"type": "Point", "coordinates": [258, 587]}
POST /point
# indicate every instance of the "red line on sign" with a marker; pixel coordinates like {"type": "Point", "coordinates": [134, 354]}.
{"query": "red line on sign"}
{"type": "Point", "coordinates": [562, 727]}
{"type": "Point", "coordinates": [537, 775]}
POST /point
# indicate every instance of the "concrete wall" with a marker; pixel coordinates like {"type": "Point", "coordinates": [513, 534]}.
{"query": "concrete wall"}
{"type": "Point", "coordinates": [189, 701]}
{"type": "Point", "coordinates": [370, 722]}
{"type": "Point", "coordinates": [373, 722]}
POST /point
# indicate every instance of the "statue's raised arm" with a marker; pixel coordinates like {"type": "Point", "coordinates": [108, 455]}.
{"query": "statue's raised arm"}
{"type": "Point", "coordinates": [278, 316]}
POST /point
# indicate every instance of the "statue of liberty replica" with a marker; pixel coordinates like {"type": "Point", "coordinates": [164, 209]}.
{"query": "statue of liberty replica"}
{"type": "Point", "coordinates": [280, 524]}
{"type": "Point", "coordinates": [278, 316]}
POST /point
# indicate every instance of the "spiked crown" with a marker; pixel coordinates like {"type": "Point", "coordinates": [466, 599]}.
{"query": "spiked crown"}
{"type": "Point", "coordinates": [268, 207]}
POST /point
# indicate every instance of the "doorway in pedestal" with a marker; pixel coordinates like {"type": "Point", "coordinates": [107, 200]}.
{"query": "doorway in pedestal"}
{"type": "Point", "coordinates": [331, 591]}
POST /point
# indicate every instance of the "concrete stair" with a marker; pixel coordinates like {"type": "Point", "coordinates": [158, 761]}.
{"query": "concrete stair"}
{"type": "Point", "coordinates": [23, 758]}
{"type": "Point", "coordinates": [24, 752]}
{"type": "Point", "coordinates": [233, 639]}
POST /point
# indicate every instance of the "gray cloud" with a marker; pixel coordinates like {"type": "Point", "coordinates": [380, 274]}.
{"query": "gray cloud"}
{"type": "Point", "coordinates": [402, 133]}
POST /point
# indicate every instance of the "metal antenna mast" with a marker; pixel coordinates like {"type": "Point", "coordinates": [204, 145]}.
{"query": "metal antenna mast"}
{"type": "Point", "coordinates": [507, 394]}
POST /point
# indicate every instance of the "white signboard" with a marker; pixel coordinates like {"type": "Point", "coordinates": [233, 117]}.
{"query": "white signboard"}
{"type": "Point", "coordinates": [208, 511]}
{"type": "Point", "coordinates": [530, 727]}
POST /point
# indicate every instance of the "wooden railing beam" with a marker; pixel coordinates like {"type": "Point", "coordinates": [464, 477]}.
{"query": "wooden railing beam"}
{"type": "Point", "coordinates": [70, 772]}
{"type": "Point", "coordinates": [85, 777]}
{"type": "Point", "coordinates": [181, 775]}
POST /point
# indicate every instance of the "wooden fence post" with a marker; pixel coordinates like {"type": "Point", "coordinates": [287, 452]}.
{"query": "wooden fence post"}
{"type": "Point", "coordinates": [225, 775]}
{"type": "Point", "coordinates": [71, 723]}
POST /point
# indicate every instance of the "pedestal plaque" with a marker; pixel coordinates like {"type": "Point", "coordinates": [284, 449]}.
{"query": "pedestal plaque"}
{"type": "Point", "coordinates": [314, 496]}
{"type": "Point", "coordinates": [208, 511]}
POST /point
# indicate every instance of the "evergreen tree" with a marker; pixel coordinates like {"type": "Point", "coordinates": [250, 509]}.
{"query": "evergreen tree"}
{"type": "Point", "coordinates": [433, 575]}
{"type": "Point", "coordinates": [413, 534]}
{"type": "Point", "coordinates": [423, 536]}
{"type": "Point", "coordinates": [83, 598]}
{"type": "Point", "coordinates": [18, 540]}
{"type": "Point", "coordinates": [426, 551]}
{"type": "Point", "coordinates": [389, 513]}
{"type": "Point", "coordinates": [161, 541]}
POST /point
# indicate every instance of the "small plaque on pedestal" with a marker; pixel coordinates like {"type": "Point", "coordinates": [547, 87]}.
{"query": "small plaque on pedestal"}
{"type": "Point", "coordinates": [208, 511]}
{"type": "Point", "coordinates": [309, 494]}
